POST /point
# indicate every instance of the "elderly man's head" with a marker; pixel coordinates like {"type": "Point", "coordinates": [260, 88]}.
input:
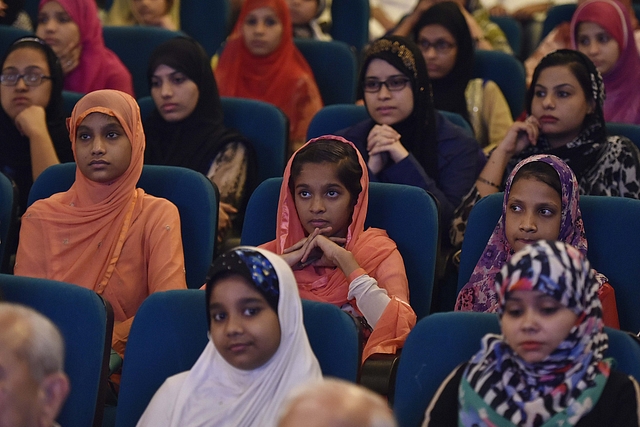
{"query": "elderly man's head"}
{"type": "Point", "coordinates": [33, 385]}
{"type": "Point", "coordinates": [335, 403]}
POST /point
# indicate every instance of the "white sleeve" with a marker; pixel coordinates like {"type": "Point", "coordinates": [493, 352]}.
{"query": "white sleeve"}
{"type": "Point", "coordinates": [370, 298]}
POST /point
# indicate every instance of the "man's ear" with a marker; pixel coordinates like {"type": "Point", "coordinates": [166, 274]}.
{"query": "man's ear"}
{"type": "Point", "coordinates": [54, 389]}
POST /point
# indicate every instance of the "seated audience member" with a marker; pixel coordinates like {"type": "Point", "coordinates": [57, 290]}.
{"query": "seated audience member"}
{"type": "Point", "coordinates": [12, 13]}
{"type": "Point", "coordinates": [335, 403]}
{"type": "Point", "coordinates": [304, 17]}
{"type": "Point", "coordinates": [104, 233]}
{"type": "Point", "coordinates": [260, 61]}
{"type": "Point", "coordinates": [444, 39]}
{"type": "Point", "coordinates": [564, 103]}
{"type": "Point", "coordinates": [33, 383]}
{"type": "Point", "coordinates": [405, 141]}
{"type": "Point", "coordinates": [34, 135]}
{"type": "Point", "coordinates": [258, 350]}
{"type": "Point", "coordinates": [154, 13]}
{"type": "Point", "coordinates": [186, 128]}
{"type": "Point", "coordinates": [601, 29]}
{"type": "Point", "coordinates": [73, 30]}
{"type": "Point", "coordinates": [320, 234]}
{"type": "Point", "coordinates": [547, 366]}
{"type": "Point", "coordinates": [541, 201]}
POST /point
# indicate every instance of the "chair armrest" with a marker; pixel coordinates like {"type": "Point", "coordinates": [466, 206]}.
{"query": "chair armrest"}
{"type": "Point", "coordinates": [378, 373]}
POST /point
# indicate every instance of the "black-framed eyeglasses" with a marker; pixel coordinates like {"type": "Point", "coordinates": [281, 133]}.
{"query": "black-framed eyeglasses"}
{"type": "Point", "coordinates": [393, 84]}
{"type": "Point", "coordinates": [440, 45]}
{"type": "Point", "coordinates": [30, 79]}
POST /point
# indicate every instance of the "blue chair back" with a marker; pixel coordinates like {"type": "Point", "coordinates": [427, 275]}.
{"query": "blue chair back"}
{"type": "Point", "coordinates": [408, 214]}
{"type": "Point", "coordinates": [85, 320]}
{"type": "Point", "coordinates": [8, 222]}
{"type": "Point", "coordinates": [69, 100]}
{"type": "Point", "coordinates": [8, 35]}
{"type": "Point", "coordinates": [170, 331]}
{"type": "Point", "coordinates": [628, 130]}
{"type": "Point", "coordinates": [507, 72]}
{"type": "Point", "coordinates": [612, 230]}
{"type": "Point", "coordinates": [193, 194]}
{"type": "Point", "coordinates": [555, 16]}
{"type": "Point", "coordinates": [134, 45]}
{"type": "Point", "coordinates": [512, 29]}
{"type": "Point", "coordinates": [334, 67]}
{"type": "Point", "coordinates": [350, 22]}
{"type": "Point", "coordinates": [442, 341]}
{"type": "Point", "coordinates": [205, 21]}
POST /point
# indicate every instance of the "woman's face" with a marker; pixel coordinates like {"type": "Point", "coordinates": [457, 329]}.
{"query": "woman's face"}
{"type": "Point", "coordinates": [387, 106]}
{"type": "Point", "coordinates": [439, 49]}
{"type": "Point", "coordinates": [174, 94]}
{"type": "Point", "coordinates": [601, 48]}
{"type": "Point", "coordinates": [262, 31]}
{"type": "Point", "coordinates": [56, 27]}
{"type": "Point", "coordinates": [149, 12]}
{"type": "Point", "coordinates": [302, 11]}
{"type": "Point", "coordinates": [559, 104]}
{"type": "Point", "coordinates": [16, 98]}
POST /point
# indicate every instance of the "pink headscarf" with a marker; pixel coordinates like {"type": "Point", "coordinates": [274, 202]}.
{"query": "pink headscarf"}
{"type": "Point", "coordinates": [99, 67]}
{"type": "Point", "coordinates": [621, 82]}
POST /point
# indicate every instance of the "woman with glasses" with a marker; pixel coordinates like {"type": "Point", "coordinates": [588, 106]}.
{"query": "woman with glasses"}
{"type": "Point", "coordinates": [32, 124]}
{"type": "Point", "coordinates": [405, 141]}
{"type": "Point", "coordinates": [443, 36]}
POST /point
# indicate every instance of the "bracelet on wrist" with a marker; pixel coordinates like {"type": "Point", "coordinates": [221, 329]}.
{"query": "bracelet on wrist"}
{"type": "Point", "coordinates": [486, 181]}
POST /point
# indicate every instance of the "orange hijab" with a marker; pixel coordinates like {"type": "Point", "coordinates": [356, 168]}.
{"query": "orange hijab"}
{"type": "Point", "coordinates": [99, 214]}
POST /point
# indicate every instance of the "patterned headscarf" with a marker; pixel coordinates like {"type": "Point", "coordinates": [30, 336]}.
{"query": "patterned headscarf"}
{"type": "Point", "coordinates": [568, 382]}
{"type": "Point", "coordinates": [479, 293]}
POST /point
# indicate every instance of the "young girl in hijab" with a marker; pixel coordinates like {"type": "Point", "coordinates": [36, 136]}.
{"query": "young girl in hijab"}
{"type": "Point", "coordinates": [405, 141]}
{"type": "Point", "coordinates": [154, 13]}
{"type": "Point", "coordinates": [186, 128]}
{"type": "Point", "coordinates": [444, 39]}
{"type": "Point", "coordinates": [257, 353]}
{"type": "Point", "coordinates": [547, 367]}
{"type": "Point", "coordinates": [74, 32]}
{"type": "Point", "coordinates": [601, 29]}
{"type": "Point", "coordinates": [541, 201]}
{"type": "Point", "coordinates": [564, 103]}
{"type": "Point", "coordinates": [104, 233]}
{"type": "Point", "coordinates": [260, 61]}
{"type": "Point", "coordinates": [320, 234]}
{"type": "Point", "coordinates": [32, 125]}
{"type": "Point", "coordinates": [304, 17]}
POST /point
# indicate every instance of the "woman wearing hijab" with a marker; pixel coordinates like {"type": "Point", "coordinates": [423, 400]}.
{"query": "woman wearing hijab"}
{"type": "Point", "coordinates": [187, 129]}
{"type": "Point", "coordinates": [74, 32]}
{"type": "Point", "coordinates": [162, 13]}
{"type": "Point", "coordinates": [104, 233]}
{"type": "Point", "coordinates": [406, 141]}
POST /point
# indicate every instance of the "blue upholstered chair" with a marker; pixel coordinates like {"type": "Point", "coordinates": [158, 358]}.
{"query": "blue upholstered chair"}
{"type": "Point", "coordinates": [69, 100]}
{"type": "Point", "coordinates": [8, 222]}
{"type": "Point", "coordinates": [170, 331]}
{"type": "Point", "coordinates": [555, 16]}
{"type": "Point", "coordinates": [507, 72]}
{"type": "Point", "coordinates": [194, 195]}
{"type": "Point", "coordinates": [8, 35]}
{"type": "Point", "coordinates": [512, 29]}
{"type": "Point", "coordinates": [205, 21]}
{"type": "Point", "coordinates": [334, 67]}
{"type": "Point", "coordinates": [85, 320]}
{"type": "Point", "coordinates": [613, 232]}
{"type": "Point", "coordinates": [628, 130]}
{"type": "Point", "coordinates": [350, 22]}
{"type": "Point", "coordinates": [442, 341]}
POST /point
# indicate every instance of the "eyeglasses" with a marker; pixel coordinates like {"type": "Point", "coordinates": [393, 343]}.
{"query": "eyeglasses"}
{"type": "Point", "coordinates": [393, 84]}
{"type": "Point", "coordinates": [441, 46]}
{"type": "Point", "coordinates": [30, 78]}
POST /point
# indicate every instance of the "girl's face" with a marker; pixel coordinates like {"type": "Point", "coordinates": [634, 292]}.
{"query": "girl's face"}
{"type": "Point", "coordinates": [244, 327]}
{"type": "Point", "coordinates": [24, 62]}
{"type": "Point", "coordinates": [302, 11]}
{"type": "Point", "coordinates": [534, 212]}
{"type": "Point", "coordinates": [534, 324]}
{"type": "Point", "coordinates": [56, 27]}
{"type": "Point", "coordinates": [322, 200]}
{"type": "Point", "coordinates": [439, 49]}
{"type": "Point", "coordinates": [103, 149]}
{"type": "Point", "coordinates": [174, 94]}
{"type": "Point", "coordinates": [601, 48]}
{"type": "Point", "coordinates": [560, 105]}
{"type": "Point", "coordinates": [149, 12]}
{"type": "Point", "coordinates": [386, 106]}
{"type": "Point", "coordinates": [262, 31]}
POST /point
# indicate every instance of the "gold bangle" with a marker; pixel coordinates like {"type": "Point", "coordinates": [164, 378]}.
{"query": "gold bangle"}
{"type": "Point", "coordinates": [486, 181]}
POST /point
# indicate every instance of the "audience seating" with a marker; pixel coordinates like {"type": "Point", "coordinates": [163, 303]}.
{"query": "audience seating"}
{"type": "Point", "coordinates": [334, 67]}
{"type": "Point", "coordinates": [512, 29]}
{"type": "Point", "coordinates": [69, 100]}
{"type": "Point", "coordinates": [350, 22]}
{"type": "Point", "coordinates": [612, 230]}
{"type": "Point", "coordinates": [8, 35]}
{"type": "Point", "coordinates": [625, 129]}
{"type": "Point", "coordinates": [8, 222]}
{"type": "Point", "coordinates": [206, 21]}
{"type": "Point", "coordinates": [134, 45]}
{"type": "Point", "coordinates": [412, 225]}
{"type": "Point", "coordinates": [442, 341]}
{"type": "Point", "coordinates": [507, 72]}
{"type": "Point", "coordinates": [170, 331]}
{"type": "Point", "coordinates": [194, 195]}
{"type": "Point", "coordinates": [85, 320]}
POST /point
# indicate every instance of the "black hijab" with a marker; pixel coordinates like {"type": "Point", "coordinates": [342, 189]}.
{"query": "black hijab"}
{"type": "Point", "coordinates": [195, 141]}
{"type": "Point", "coordinates": [448, 92]}
{"type": "Point", "coordinates": [419, 129]}
{"type": "Point", "coordinates": [15, 156]}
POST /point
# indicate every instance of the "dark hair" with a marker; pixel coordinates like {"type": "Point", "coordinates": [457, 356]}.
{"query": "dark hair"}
{"type": "Point", "coordinates": [344, 156]}
{"type": "Point", "coordinates": [540, 171]}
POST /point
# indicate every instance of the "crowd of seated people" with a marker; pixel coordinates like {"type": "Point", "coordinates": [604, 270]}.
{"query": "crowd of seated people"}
{"type": "Point", "coordinates": [106, 234]}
